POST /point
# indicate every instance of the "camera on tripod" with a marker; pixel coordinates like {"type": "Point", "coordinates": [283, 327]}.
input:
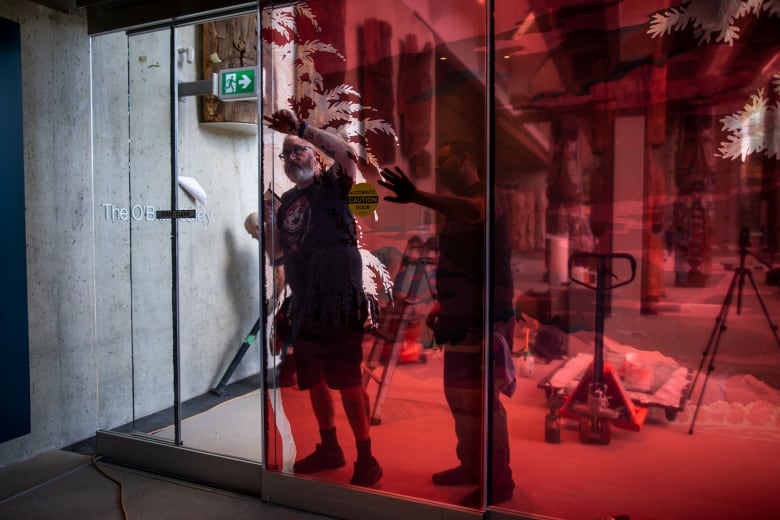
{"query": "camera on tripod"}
{"type": "Point", "coordinates": [737, 283]}
{"type": "Point", "coordinates": [744, 237]}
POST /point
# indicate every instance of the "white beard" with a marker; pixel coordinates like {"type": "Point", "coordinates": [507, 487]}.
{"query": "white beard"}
{"type": "Point", "coordinates": [299, 173]}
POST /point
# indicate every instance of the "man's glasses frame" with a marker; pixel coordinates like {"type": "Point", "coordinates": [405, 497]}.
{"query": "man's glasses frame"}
{"type": "Point", "coordinates": [297, 149]}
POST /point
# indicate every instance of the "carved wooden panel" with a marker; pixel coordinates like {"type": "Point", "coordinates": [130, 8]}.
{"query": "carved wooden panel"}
{"type": "Point", "coordinates": [415, 85]}
{"type": "Point", "coordinates": [377, 80]}
{"type": "Point", "coordinates": [228, 44]}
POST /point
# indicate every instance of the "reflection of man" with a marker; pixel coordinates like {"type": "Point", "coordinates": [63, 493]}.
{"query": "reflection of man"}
{"type": "Point", "coordinates": [458, 323]}
{"type": "Point", "coordinates": [316, 240]}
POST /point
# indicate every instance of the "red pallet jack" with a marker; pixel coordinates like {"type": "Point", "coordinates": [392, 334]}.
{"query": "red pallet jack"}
{"type": "Point", "coordinates": [599, 400]}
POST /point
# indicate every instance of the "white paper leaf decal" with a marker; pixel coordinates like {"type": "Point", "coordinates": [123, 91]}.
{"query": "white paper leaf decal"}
{"type": "Point", "coordinates": [710, 18]}
{"type": "Point", "coordinates": [754, 128]}
{"type": "Point", "coordinates": [193, 188]}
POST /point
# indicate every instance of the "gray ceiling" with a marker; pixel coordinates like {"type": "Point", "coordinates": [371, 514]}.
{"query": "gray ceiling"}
{"type": "Point", "coordinates": [68, 6]}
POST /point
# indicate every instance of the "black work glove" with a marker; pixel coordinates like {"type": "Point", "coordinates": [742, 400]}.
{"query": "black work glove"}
{"type": "Point", "coordinates": [398, 182]}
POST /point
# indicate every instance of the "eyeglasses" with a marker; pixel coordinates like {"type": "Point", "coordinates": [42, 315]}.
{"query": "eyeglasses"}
{"type": "Point", "coordinates": [293, 150]}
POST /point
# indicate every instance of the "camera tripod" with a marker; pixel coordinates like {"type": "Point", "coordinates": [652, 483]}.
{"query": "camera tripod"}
{"type": "Point", "coordinates": [710, 351]}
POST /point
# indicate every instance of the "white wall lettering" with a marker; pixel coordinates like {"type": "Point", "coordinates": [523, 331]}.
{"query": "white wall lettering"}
{"type": "Point", "coordinates": [137, 212]}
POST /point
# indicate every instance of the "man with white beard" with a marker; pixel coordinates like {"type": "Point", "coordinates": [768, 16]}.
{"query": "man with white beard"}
{"type": "Point", "coordinates": [316, 241]}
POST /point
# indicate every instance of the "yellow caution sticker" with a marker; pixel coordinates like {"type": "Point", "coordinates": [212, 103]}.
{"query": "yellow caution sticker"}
{"type": "Point", "coordinates": [362, 199]}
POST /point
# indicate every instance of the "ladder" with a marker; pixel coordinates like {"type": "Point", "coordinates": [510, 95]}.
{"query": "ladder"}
{"type": "Point", "coordinates": [414, 283]}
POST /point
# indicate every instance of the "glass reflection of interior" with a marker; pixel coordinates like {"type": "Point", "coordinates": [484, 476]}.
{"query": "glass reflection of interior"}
{"type": "Point", "coordinates": [635, 159]}
{"type": "Point", "coordinates": [376, 87]}
{"type": "Point", "coordinates": [625, 217]}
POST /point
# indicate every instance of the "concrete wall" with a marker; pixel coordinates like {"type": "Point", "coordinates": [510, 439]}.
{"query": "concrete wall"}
{"type": "Point", "coordinates": [60, 226]}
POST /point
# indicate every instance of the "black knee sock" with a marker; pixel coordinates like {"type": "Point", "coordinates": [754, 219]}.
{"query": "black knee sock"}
{"type": "Point", "coordinates": [329, 439]}
{"type": "Point", "coordinates": [364, 449]}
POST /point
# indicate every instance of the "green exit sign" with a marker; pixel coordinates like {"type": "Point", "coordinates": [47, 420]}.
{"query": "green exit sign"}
{"type": "Point", "coordinates": [237, 84]}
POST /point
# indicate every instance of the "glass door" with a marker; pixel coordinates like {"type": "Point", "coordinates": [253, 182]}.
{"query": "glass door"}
{"type": "Point", "coordinates": [152, 252]}
{"type": "Point", "coordinates": [219, 277]}
{"type": "Point", "coordinates": [177, 179]}
{"type": "Point", "coordinates": [132, 131]}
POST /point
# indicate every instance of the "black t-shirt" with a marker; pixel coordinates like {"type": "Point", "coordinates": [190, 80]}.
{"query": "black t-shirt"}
{"type": "Point", "coordinates": [323, 266]}
{"type": "Point", "coordinates": [460, 275]}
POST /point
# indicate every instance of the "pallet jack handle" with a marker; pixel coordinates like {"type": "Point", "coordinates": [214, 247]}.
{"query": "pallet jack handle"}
{"type": "Point", "coordinates": [603, 269]}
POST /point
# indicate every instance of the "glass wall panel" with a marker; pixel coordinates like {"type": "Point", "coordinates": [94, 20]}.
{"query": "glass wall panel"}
{"type": "Point", "coordinates": [641, 132]}
{"type": "Point", "coordinates": [400, 82]}
{"type": "Point", "coordinates": [149, 248]}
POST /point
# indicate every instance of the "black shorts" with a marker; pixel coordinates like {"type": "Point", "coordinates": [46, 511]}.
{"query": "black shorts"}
{"type": "Point", "coordinates": [329, 354]}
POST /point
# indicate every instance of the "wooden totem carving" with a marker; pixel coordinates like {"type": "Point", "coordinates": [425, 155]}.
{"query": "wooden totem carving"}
{"type": "Point", "coordinates": [693, 214]}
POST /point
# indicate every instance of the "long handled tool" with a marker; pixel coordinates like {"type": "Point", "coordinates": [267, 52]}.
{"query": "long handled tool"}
{"type": "Point", "coordinates": [248, 340]}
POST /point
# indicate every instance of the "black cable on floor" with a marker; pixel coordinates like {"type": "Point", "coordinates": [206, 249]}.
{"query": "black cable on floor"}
{"type": "Point", "coordinates": [121, 487]}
